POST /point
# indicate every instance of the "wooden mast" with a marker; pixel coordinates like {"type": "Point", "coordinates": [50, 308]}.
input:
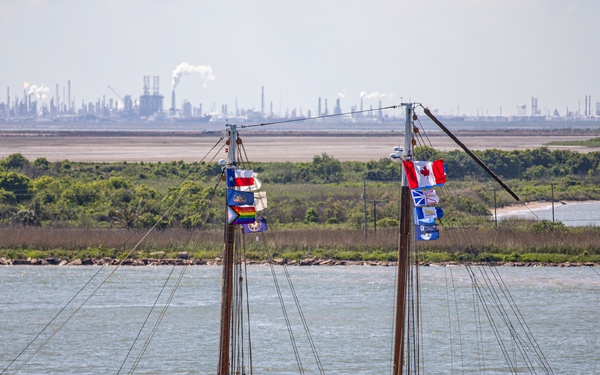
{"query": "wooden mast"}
{"type": "Point", "coordinates": [403, 249]}
{"type": "Point", "coordinates": [227, 279]}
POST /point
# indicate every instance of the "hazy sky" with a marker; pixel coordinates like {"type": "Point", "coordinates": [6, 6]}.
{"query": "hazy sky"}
{"type": "Point", "coordinates": [472, 55]}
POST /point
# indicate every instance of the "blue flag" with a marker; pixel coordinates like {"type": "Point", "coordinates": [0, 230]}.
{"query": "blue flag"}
{"type": "Point", "coordinates": [427, 215]}
{"type": "Point", "coordinates": [260, 225]}
{"type": "Point", "coordinates": [239, 198]}
{"type": "Point", "coordinates": [428, 232]}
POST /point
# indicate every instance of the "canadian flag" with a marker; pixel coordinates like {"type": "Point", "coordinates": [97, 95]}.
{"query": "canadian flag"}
{"type": "Point", "coordinates": [424, 174]}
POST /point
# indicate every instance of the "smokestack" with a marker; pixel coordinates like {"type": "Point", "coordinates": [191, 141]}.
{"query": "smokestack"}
{"type": "Point", "coordinates": [173, 108]}
{"type": "Point", "coordinates": [319, 109]}
{"type": "Point", "coordinates": [69, 96]}
{"type": "Point", "coordinates": [262, 102]}
{"type": "Point", "coordinates": [57, 100]}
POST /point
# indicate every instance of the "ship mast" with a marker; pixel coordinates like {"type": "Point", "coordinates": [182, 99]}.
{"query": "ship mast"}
{"type": "Point", "coordinates": [403, 250]}
{"type": "Point", "coordinates": [228, 260]}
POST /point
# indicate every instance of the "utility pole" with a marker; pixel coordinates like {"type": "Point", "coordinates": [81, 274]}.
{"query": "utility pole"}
{"type": "Point", "coordinates": [495, 212]}
{"type": "Point", "coordinates": [365, 204]}
{"type": "Point", "coordinates": [375, 218]}
{"type": "Point", "coordinates": [552, 190]}
{"type": "Point", "coordinates": [375, 201]}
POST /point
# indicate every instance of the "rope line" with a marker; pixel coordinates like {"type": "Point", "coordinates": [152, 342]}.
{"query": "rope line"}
{"type": "Point", "coordinates": [303, 319]}
{"type": "Point", "coordinates": [300, 119]}
{"type": "Point", "coordinates": [84, 302]}
{"type": "Point", "coordinates": [491, 300]}
{"type": "Point", "coordinates": [144, 324]}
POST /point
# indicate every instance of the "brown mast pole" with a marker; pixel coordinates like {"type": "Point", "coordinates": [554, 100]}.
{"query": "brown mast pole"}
{"type": "Point", "coordinates": [227, 281]}
{"type": "Point", "coordinates": [403, 249]}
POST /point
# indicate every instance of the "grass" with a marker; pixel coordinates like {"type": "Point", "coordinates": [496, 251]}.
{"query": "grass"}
{"type": "Point", "coordinates": [460, 244]}
{"type": "Point", "coordinates": [593, 142]}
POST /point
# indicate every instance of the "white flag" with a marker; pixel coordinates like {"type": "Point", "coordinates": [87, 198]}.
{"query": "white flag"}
{"type": "Point", "coordinates": [260, 200]}
{"type": "Point", "coordinates": [256, 186]}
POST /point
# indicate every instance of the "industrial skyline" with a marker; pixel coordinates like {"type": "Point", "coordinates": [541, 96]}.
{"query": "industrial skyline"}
{"type": "Point", "coordinates": [463, 57]}
{"type": "Point", "coordinates": [37, 103]}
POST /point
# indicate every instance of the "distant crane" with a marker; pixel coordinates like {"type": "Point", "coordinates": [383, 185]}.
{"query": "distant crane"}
{"type": "Point", "coordinates": [116, 93]}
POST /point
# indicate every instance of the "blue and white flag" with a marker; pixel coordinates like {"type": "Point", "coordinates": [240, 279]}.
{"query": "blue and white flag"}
{"type": "Point", "coordinates": [428, 232]}
{"type": "Point", "coordinates": [424, 197]}
{"type": "Point", "coordinates": [427, 214]}
{"type": "Point", "coordinates": [259, 225]}
{"type": "Point", "coordinates": [239, 198]}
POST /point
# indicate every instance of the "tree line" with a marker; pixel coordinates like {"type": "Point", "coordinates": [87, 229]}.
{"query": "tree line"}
{"type": "Point", "coordinates": [322, 191]}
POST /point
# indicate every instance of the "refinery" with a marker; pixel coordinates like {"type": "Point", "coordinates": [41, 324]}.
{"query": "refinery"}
{"type": "Point", "coordinates": [36, 104]}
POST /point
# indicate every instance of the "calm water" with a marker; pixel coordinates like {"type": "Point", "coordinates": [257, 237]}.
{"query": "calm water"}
{"type": "Point", "coordinates": [571, 214]}
{"type": "Point", "coordinates": [348, 310]}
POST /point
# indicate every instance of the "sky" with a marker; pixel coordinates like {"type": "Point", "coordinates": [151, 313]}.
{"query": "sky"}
{"type": "Point", "coordinates": [465, 57]}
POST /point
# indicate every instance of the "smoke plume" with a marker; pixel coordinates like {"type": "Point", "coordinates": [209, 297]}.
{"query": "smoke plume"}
{"type": "Point", "coordinates": [39, 92]}
{"type": "Point", "coordinates": [205, 71]}
{"type": "Point", "coordinates": [374, 94]}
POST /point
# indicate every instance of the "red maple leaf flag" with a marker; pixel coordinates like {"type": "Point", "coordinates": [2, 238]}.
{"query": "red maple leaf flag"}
{"type": "Point", "coordinates": [424, 174]}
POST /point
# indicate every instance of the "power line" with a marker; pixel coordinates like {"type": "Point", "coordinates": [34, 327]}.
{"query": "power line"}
{"type": "Point", "coordinates": [300, 119]}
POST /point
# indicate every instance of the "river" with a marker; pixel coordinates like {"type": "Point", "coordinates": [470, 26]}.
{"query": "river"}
{"type": "Point", "coordinates": [348, 309]}
{"type": "Point", "coordinates": [572, 214]}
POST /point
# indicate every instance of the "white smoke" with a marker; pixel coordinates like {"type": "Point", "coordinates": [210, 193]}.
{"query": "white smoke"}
{"type": "Point", "coordinates": [374, 94]}
{"type": "Point", "coordinates": [205, 71]}
{"type": "Point", "coordinates": [342, 94]}
{"type": "Point", "coordinates": [39, 92]}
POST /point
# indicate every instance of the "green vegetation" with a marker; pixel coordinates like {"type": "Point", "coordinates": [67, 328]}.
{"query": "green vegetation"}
{"type": "Point", "coordinates": [594, 142]}
{"type": "Point", "coordinates": [68, 209]}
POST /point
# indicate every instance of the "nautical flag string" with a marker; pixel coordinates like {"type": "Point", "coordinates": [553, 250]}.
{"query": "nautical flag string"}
{"type": "Point", "coordinates": [243, 202]}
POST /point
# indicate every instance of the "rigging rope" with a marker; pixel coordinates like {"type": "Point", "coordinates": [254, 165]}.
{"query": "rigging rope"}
{"type": "Point", "coordinates": [318, 117]}
{"type": "Point", "coordinates": [310, 339]}
{"type": "Point", "coordinates": [144, 324]}
{"type": "Point", "coordinates": [286, 318]}
{"type": "Point", "coordinates": [303, 319]}
{"type": "Point", "coordinates": [158, 320]}
{"type": "Point", "coordinates": [68, 319]}
{"type": "Point", "coordinates": [494, 295]}
{"type": "Point", "coordinates": [178, 282]}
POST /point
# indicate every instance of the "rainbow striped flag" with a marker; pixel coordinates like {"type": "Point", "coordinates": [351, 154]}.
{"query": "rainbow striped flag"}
{"type": "Point", "coordinates": [241, 214]}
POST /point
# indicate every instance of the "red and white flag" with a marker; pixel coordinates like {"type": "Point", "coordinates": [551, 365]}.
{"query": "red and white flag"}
{"type": "Point", "coordinates": [239, 177]}
{"type": "Point", "coordinates": [424, 174]}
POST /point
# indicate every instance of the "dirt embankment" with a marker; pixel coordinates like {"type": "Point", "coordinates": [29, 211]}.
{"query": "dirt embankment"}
{"type": "Point", "coordinates": [261, 146]}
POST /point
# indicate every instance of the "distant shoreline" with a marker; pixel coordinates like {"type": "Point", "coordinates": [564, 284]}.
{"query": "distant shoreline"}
{"type": "Point", "coordinates": [262, 146]}
{"type": "Point", "coordinates": [532, 206]}
{"type": "Point", "coordinates": [314, 262]}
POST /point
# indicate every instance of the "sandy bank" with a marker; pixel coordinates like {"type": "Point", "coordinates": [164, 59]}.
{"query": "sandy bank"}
{"type": "Point", "coordinates": [532, 206]}
{"type": "Point", "coordinates": [260, 147]}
